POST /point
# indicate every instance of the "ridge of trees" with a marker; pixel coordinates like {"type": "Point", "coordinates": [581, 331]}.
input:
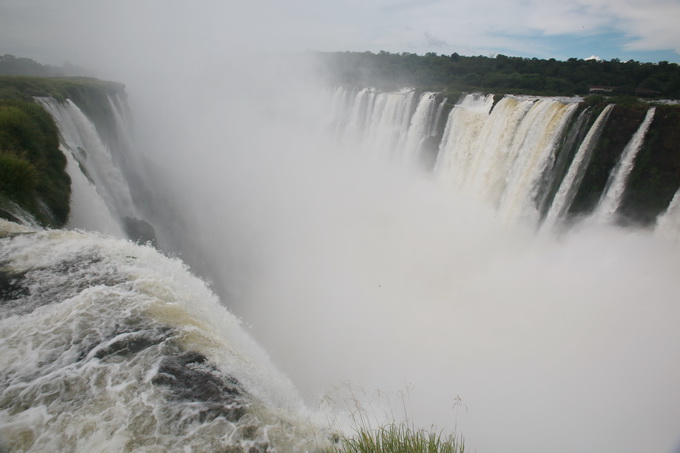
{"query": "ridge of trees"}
{"type": "Point", "coordinates": [503, 74]}
{"type": "Point", "coordinates": [11, 65]}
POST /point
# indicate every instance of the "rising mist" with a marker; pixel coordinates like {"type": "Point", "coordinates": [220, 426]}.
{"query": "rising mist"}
{"type": "Point", "coordinates": [354, 271]}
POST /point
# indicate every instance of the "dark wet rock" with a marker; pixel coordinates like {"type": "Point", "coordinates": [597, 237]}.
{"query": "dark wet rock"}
{"type": "Point", "coordinates": [656, 175]}
{"type": "Point", "coordinates": [22, 291]}
{"type": "Point", "coordinates": [140, 231]}
{"type": "Point", "coordinates": [12, 286]}
{"type": "Point", "coordinates": [192, 378]}
{"type": "Point", "coordinates": [617, 132]}
{"type": "Point", "coordinates": [133, 342]}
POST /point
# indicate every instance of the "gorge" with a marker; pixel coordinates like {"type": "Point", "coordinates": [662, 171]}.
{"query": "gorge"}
{"type": "Point", "coordinates": [504, 266]}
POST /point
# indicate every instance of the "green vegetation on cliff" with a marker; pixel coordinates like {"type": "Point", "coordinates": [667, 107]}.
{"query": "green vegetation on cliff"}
{"type": "Point", "coordinates": [32, 167]}
{"type": "Point", "coordinates": [88, 93]}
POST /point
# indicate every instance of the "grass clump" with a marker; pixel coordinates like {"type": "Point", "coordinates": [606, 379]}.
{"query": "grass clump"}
{"type": "Point", "coordinates": [399, 438]}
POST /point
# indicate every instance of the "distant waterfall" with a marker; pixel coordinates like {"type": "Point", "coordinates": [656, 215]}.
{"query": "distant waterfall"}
{"type": "Point", "coordinates": [567, 191]}
{"type": "Point", "coordinates": [388, 122]}
{"type": "Point", "coordinates": [500, 155]}
{"type": "Point", "coordinates": [613, 192]}
{"type": "Point", "coordinates": [391, 125]}
{"type": "Point", "coordinates": [456, 152]}
{"type": "Point", "coordinates": [525, 156]}
{"type": "Point", "coordinates": [420, 127]}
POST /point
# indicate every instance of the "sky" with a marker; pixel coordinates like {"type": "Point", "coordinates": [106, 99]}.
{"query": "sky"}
{"type": "Point", "coordinates": [106, 34]}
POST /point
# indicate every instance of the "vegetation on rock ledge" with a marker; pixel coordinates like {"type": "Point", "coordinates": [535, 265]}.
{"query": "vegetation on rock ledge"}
{"type": "Point", "coordinates": [32, 167]}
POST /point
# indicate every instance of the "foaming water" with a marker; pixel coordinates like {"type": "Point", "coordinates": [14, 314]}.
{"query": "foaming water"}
{"type": "Point", "coordinates": [108, 346]}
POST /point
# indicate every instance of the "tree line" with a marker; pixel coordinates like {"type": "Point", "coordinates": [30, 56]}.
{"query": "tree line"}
{"type": "Point", "coordinates": [503, 74]}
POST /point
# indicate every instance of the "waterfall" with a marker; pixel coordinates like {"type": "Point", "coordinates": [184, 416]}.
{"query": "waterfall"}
{"type": "Point", "coordinates": [420, 127]}
{"type": "Point", "coordinates": [387, 123]}
{"type": "Point", "coordinates": [567, 191]}
{"type": "Point", "coordinates": [505, 151]}
{"type": "Point", "coordinates": [81, 139]}
{"type": "Point", "coordinates": [358, 117]}
{"type": "Point", "coordinates": [110, 346]}
{"type": "Point", "coordinates": [102, 171]}
{"type": "Point", "coordinates": [500, 155]}
{"type": "Point", "coordinates": [437, 118]}
{"type": "Point", "coordinates": [88, 209]}
{"type": "Point", "coordinates": [616, 184]}
{"type": "Point", "coordinates": [668, 224]}
{"type": "Point", "coordinates": [456, 151]}
{"type": "Point", "coordinates": [534, 149]}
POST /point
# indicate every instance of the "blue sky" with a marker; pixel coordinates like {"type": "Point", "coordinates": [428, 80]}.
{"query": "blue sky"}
{"type": "Point", "coordinates": [126, 32]}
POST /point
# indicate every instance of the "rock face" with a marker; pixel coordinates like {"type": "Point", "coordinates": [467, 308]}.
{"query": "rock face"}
{"type": "Point", "coordinates": [620, 127]}
{"type": "Point", "coordinates": [140, 231]}
{"type": "Point", "coordinates": [656, 176]}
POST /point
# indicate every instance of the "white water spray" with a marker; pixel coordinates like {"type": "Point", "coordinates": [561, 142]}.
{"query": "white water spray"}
{"type": "Point", "coordinates": [107, 346]}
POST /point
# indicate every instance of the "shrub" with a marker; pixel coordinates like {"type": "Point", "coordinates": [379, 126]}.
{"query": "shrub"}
{"type": "Point", "coordinates": [33, 167]}
{"type": "Point", "coordinates": [401, 438]}
{"type": "Point", "coordinates": [18, 177]}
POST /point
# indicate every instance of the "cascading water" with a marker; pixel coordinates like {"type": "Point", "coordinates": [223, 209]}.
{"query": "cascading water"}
{"type": "Point", "coordinates": [613, 192]}
{"type": "Point", "coordinates": [501, 155]}
{"type": "Point", "coordinates": [385, 126]}
{"type": "Point", "coordinates": [88, 209]}
{"type": "Point", "coordinates": [534, 147]}
{"type": "Point", "coordinates": [420, 128]}
{"type": "Point", "coordinates": [108, 346]}
{"type": "Point", "coordinates": [469, 116]}
{"type": "Point", "coordinates": [565, 194]}
{"type": "Point", "coordinates": [81, 140]}
{"type": "Point", "coordinates": [668, 224]}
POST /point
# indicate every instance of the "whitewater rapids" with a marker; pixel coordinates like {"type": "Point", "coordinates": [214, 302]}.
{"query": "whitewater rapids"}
{"type": "Point", "coordinates": [109, 346]}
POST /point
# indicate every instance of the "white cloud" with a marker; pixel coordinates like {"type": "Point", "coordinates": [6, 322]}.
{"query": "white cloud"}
{"type": "Point", "coordinates": [113, 33]}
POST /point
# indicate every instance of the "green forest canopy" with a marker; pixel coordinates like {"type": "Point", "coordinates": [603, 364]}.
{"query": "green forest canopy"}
{"type": "Point", "coordinates": [503, 74]}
